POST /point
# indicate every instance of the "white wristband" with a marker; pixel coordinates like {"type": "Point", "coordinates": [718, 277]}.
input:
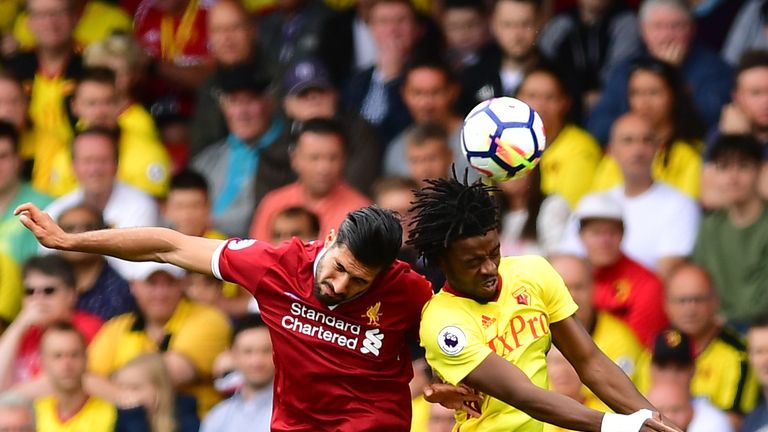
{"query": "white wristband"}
{"type": "Point", "coordinates": [625, 423]}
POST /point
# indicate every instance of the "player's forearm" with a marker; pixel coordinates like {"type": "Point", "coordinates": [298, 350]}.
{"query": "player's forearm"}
{"type": "Point", "coordinates": [559, 410]}
{"type": "Point", "coordinates": [613, 386]}
{"type": "Point", "coordinates": [133, 244]}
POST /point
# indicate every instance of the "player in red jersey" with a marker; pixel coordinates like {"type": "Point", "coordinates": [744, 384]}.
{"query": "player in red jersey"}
{"type": "Point", "coordinates": [338, 312]}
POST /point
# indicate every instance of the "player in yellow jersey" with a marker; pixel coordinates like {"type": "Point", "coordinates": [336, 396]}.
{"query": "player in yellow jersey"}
{"type": "Point", "coordinates": [495, 319]}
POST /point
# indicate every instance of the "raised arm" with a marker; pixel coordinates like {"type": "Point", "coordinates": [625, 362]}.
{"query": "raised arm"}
{"type": "Point", "coordinates": [133, 244]}
{"type": "Point", "coordinates": [499, 378]}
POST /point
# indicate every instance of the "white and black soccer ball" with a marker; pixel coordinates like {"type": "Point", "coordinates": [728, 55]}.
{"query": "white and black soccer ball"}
{"type": "Point", "coordinates": [503, 138]}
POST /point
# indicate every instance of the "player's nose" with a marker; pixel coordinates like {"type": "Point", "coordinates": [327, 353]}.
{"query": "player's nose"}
{"type": "Point", "coordinates": [341, 284]}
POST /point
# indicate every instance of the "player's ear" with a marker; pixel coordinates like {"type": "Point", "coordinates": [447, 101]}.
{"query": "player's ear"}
{"type": "Point", "coordinates": [330, 238]}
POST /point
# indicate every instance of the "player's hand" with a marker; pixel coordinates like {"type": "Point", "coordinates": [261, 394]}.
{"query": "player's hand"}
{"type": "Point", "coordinates": [658, 424]}
{"type": "Point", "coordinates": [48, 233]}
{"type": "Point", "coordinates": [453, 397]}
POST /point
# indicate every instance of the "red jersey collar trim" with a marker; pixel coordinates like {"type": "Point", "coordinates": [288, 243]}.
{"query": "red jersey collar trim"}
{"type": "Point", "coordinates": [447, 288]}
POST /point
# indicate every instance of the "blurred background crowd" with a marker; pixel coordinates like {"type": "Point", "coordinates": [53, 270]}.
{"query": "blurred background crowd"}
{"type": "Point", "coordinates": [270, 119]}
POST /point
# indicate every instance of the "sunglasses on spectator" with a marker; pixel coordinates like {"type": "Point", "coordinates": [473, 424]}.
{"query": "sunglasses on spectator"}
{"type": "Point", "coordinates": [46, 291]}
{"type": "Point", "coordinates": [80, 227]}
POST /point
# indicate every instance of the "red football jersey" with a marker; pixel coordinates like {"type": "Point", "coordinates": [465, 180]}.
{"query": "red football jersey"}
{"type": "Point", "coordinates": [190, 51]}
{"type": "Point", "coordinates": [341, 369]}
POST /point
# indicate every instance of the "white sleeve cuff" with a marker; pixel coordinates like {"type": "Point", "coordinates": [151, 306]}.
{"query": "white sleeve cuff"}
{"type": "Point", "coordinates": [215, 258]}
{"type": "Point", "coordinates": [625, 423]}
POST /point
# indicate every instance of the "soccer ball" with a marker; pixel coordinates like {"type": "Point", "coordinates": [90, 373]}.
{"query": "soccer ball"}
{"type": "Point", "coordinates": [503, 138]}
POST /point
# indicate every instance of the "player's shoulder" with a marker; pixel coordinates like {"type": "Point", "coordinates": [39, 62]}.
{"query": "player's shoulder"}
{"type": "Point", "coordinates": [402, 277]}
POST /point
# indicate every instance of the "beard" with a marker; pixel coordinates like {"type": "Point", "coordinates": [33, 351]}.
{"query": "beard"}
{"type": "Point", "coordinates": [327, 300]}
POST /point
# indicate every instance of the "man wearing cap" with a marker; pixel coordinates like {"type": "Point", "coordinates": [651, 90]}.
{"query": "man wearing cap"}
{"type": "Point", "coordinates": [189, 335]}
{"type": "Point", "coordinates": [661, 223]}
{"type": "Point", "coordinates": [623, 287]}
{"type": "Point", "coordinates": [250, 161]}
{"type": "Point", "coordinates": [672, 363]}
{"type": "Point", "coordinates": [310, 94]}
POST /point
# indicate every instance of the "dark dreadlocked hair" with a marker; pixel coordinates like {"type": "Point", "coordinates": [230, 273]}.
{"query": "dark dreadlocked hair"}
{"type": "Point", "coordinates": [447, 210]}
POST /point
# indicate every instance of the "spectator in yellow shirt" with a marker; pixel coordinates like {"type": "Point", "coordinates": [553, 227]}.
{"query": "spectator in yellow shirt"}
{"type": "Point", "coordinates": [656, 93]}
{"type": "Point", "coordinates": [568, 165]}
{"type": "Point", "coordinates": [96, 20]}
{"type": "Point", "coordinates": [143, 162]}
{"type": "Point", "coordinates": [189, 335]}
{"type": "Point", "coordinates": [69, 408]}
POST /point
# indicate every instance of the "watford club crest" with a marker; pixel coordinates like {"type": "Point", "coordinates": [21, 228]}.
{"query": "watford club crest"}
{"type": "Point", "coordinates": [522, 297]}
{"type": "Point", "coordinates": [373, 314]}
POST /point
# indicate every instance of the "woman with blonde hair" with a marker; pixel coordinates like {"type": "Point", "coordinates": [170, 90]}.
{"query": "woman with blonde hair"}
{"type": "Point", "coordinates": [148, 401]}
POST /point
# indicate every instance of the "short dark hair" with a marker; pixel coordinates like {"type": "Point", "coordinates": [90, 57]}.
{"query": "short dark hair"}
{"type": "Point", "coordinates": [552, 72]}
{"type": "Point", "coordinates": [247, 322]}
{"type": "Point", "coordinates": [740, 147]}
{"type": "Point", "coordinates": [421, 132]}
{"type": "Point", "coordinates": [393, 183]}
{"type": "Point", "coordinates": [299, 211]}
{"type": "Point", "coordinates": [96, 213]}
{"type": "Point", "coordinates": [537, 4]}
{"type": "Point", "coordinates": [447, 210]}
{"type": "Point", "coordinates": [111, 134]}
{"type": "Point", "coordinates": [407, 3]}
{"type": "Point", "coordinates": [751, 59]}
{"type": "Point", "coordinates": [97, 74]}
{"type": "Point", "coordinates": [324, 126]}
{"type": "Point", "coordinates": [761, 321]}
{"type": "Point", "coordinates": [65, 327]}
{"type": "Point", "coordinates": [373, 235]}
{"type": "Point", "coordinates": [9, 132]}
{"type": "Point", "coordinates": [430, 62]}
{"type": "Point", "coordinates": [477, 6]}
{"type": "Point", "coordinates": [51, 265]}
{"type": "Point", "coordinates": [189, 179]}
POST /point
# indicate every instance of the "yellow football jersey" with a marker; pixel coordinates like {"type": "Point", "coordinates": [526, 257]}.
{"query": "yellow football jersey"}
{"type": "Point", "coordinates": [98, 20]}
{"type": "Point", "coordinates": [143, 162]}
{"type": "Point", "coordinates": [681, 170]}
{"type": "Point", "coordinates": [458, 333]}
{"type": "Point", "coordinates": [96, 415]}
{"type": "Point", "coordinates": [723, 374]}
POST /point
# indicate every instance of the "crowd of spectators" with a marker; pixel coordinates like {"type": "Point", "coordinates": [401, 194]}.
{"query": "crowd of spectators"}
{"type": "Point", "coordinates": [272, 119]}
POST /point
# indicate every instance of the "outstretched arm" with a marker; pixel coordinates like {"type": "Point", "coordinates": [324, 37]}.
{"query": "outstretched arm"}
{"type": "Point", "coordinates": [595, 369]}
{"type": "Point", "coordinates": [499, 378]}
{"type": "Point", "coordinates": [133, 244]}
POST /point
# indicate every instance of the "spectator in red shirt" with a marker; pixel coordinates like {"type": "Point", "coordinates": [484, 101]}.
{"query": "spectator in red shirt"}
{"type": "Point", "coordinates": [49, 297]}
{"type": "Point", "coordinates": [622, 286]}
{"type": "Point", "coordinates": [174, 35]}
{"type": "Point", "coordinates": [318, 159]}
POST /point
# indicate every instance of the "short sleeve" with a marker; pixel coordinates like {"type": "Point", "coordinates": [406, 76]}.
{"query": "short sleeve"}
{"type": "Point", "coordinates": [557, 299]}
{"type": "Point", "coordinates": [243, 262]}
{"type": "Point", "coordinates": [454, 346]}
